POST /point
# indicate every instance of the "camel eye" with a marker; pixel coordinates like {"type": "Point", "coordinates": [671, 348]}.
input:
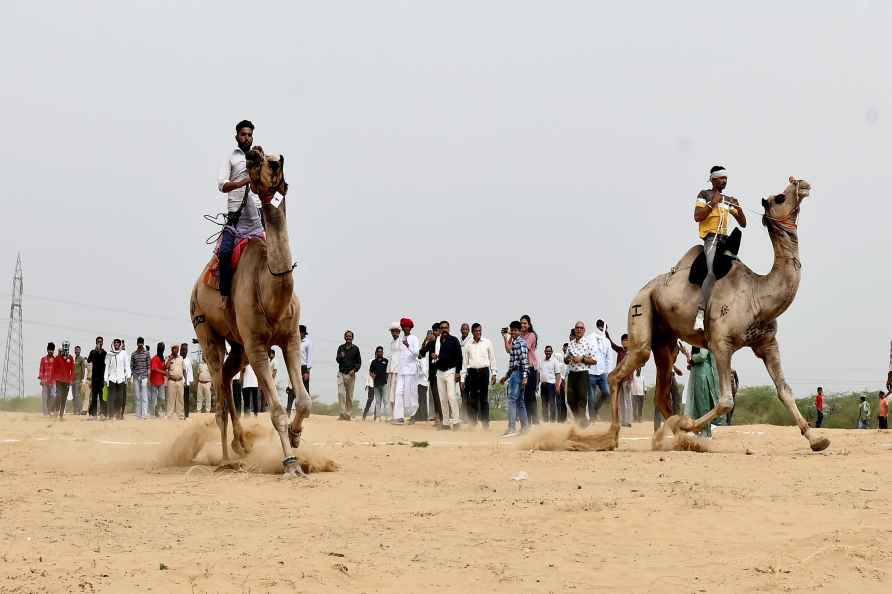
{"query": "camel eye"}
{"type": "Point", "coordinates": [780, 199]}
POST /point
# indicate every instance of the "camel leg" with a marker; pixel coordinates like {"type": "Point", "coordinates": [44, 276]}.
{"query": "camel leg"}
{"type": "Point", "coordinates": [665, 354]}
{"type": "Point", "coordinates": [259, 359]}
{"type": "Point", "coordinates": [231, 368]}
{"type": "Point", "coordinates": [769, 352]}
{"type": "Point", "coordinates": [640, 322]}
{"type": "Point", "coordinates": [214, 351]}
{"type": "Point", "coordinates": [303, 401]}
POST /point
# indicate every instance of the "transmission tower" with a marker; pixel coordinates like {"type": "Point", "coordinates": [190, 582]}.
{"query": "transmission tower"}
{"type": "Point", "coordinates": [14, 364]}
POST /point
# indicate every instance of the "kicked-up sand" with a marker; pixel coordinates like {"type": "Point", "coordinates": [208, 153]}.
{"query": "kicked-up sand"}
{"type": "Point", "coordinates": [118, 507]}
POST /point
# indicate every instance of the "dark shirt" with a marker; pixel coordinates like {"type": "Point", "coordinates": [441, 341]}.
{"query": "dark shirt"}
{"type": "Point", "coordinates": [97, 358]}
{"type": "Point", "coordinates": [450, 354]}
{"type": "Point", "coordinates": [379, 368]}
{"type": "Point", "coordinates": [348, 358]}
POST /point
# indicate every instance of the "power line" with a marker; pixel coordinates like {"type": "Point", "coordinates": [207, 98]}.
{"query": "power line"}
{"type": "Point", "coordinates": [99, 307]}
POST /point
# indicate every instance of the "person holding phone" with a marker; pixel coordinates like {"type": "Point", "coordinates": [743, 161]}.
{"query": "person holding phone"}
{"type": "Point", "coordinates": [712, 212]}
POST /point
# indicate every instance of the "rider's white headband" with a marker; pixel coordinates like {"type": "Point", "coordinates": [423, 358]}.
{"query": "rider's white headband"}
{"type": "Point", "coordinates": [719, 173]}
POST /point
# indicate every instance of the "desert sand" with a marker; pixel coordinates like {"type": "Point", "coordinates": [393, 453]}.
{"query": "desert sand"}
{"type": "Point", "coordinates": [91, 506]}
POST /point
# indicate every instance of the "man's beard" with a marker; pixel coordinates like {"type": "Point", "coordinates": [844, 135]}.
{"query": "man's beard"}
{"type": "Point", "coordinates": [245, 147]}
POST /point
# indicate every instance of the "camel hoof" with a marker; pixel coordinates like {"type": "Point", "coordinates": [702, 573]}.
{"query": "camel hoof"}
{"type": "Point", "coordinates": [233, 466]}
{"type": "Point", "coordinates": [294, 437]}
{"type": "Point", "coordinates": [240, 445]}
{"type": "Point", "coordinates": [820, 444]}
{"type": "Point", "coordinates": [292, 469]}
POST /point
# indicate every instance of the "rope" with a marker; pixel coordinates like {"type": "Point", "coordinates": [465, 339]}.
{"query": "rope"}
{"type": "Point", "coordinates": [215, 219]}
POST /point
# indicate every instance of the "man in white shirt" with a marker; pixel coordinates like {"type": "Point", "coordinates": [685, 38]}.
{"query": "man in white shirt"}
{"type": "Point", "coordinates": [550, 373]}
{"type": "Point", "coordinates": [405, 403]}
{"type": "Point", "coordinates": [463, 339]}
{"type": "Point", "coordinates": [117, 374]}
{"type": "Point", "coordinates": [638, 392]}
{"type": "Point", "coordinates": [393, 362]}
{"type": "Point", "coordinates": [579, 360]}
{"type": "Point", "coordinates": [243, 218]}
{"type": "Point", "coordinates": [188, 375]}
{"type": "Point", "coordinates": [478, 373]}
{"type": "Point", "coordinates": [598, 372]}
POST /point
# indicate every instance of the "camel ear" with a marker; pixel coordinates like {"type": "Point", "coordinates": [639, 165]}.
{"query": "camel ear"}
{"type": "Point", "coordinates": [281, 160]}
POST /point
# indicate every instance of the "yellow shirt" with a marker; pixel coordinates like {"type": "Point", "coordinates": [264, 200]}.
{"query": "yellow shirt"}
{"type": "Point", "coordinates": [716, 222]}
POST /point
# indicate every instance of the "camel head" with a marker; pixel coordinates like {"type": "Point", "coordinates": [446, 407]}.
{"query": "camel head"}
{"type": "Point", "coordinates": [782, 210]}
{"type": "Point", "coordinates": [267, 174]}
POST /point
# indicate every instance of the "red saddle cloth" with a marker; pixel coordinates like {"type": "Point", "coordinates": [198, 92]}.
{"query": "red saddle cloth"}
{"type": "Point", "coordinates": [212, 273]}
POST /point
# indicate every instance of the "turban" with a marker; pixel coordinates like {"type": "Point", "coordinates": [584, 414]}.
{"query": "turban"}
{"type": "Point", "coordinates": [407, 323]}
{"type": "Point", "coordinates": [393, 326]}
{"type": "Point", "coordinates": [718, 173]}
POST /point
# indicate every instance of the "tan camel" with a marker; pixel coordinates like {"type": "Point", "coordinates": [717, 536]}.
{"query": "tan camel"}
{"type": "Point", "coordinates": [263, 312]}
{"type": "Point", "coordinates": [742, 312]}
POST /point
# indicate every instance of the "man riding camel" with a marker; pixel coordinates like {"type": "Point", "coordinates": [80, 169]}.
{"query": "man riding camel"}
{"type": "Point", "coordinates": [243, 218]}
{"type": "Point", "coordinates": [712, 212]}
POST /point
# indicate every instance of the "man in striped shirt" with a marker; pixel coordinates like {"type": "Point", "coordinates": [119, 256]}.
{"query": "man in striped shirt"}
{"type": "Point", "coordinates": [518, 372]}
{"type": "Point", "coordinates": [140, 362]}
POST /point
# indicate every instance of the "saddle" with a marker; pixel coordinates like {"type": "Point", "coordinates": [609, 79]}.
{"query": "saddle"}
{"type": "Point", "coordinates": [726, 254]}
{"type": "Point", "coordinates": [211, 276]}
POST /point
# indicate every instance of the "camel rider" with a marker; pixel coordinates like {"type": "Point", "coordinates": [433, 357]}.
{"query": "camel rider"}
{"type": "Point", "coordinates": [712, 212]}
{"type": "Point", "coordinates": [243, 218]}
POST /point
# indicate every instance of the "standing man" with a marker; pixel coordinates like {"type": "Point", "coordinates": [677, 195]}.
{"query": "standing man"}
{"type": "Point", "coordinates": [63, 373]}
{"type": "Point", "coordinates": [188, 375]}
{"type": "Point", "coordinates": [243, 206]}
{"type": "Point", "coordinates": [550, 372]}
{"type": "Point", "coordinates": [883, 411]}
{"type": "Point", "coordinates": [560, 398]}
{"type": "Point", "coordinates": [864, 414]}
{"type": "Point", "coordinates": [378, 373]}
{"type": "Point", "coordinates": [80, 372]}
{"type": "Point", "coordinates": [447, 352]}
{"type": "Point", "coordinates": [47, 380]}
{"type": "Point", "coordinates": [712, 212]}
{"type": "Point", "coordinates": [579, 359]}
{"type": "Point", "coordinates": [96, 358]}
{"type": "Point", "coordinates": [204, 388]}
{"type": "Point", "coordinates": [819, 408]}
{"type": "Point", "coordinates": [349, 362]}
{"type": "Point", "coordinates": [479, 371]}
{"type": "Point", "coordinates": [157, 379]}
{"type": "Point", "coordinates": [140, 364]}
{"type": "Point", "coordinates": [598, 371]}
{"type": "Point", "coordinates": [405, 403]}
{"type": "Point", "coordinates": [173, 368]}
{"type": "Point", "coordinates": [463, 339]}
{"type": "Point", "coordinates": [393, 364]}
{"type": "Point", "coordinates": [638, 394]}
{"type": "Point", "coordinates": [428, 348]}
{"type": "Point", "coordinates": [421, 371]}
{"type": "Point", "coordinates": [117, 373]}
{"type": "Point", "coordinates": [517, 377]}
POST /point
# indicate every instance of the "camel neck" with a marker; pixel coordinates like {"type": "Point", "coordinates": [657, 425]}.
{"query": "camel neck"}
{"type": "Point", "coordinates": [277, 274]}
{"type": "Point", "coordinates": [777, 289]}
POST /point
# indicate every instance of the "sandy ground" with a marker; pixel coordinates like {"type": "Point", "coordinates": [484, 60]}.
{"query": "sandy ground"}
{"type": "Point", "coordinates": [96, 507]}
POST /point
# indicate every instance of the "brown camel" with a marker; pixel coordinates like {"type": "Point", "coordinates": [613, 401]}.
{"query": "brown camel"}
{"type": "Point", "coordinates": [263, 312]}
{"type": "Point", "coordinates": [742, 312]}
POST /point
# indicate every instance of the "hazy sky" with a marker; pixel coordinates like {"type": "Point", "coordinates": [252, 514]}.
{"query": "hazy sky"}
{"type": "Point", "coordinates": [462, 160]}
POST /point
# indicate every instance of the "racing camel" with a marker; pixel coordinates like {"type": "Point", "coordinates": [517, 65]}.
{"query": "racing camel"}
{"type": "Point", "coordinates": [742, 312]}
{"type": "Point", "coordinates": [263, 312]}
